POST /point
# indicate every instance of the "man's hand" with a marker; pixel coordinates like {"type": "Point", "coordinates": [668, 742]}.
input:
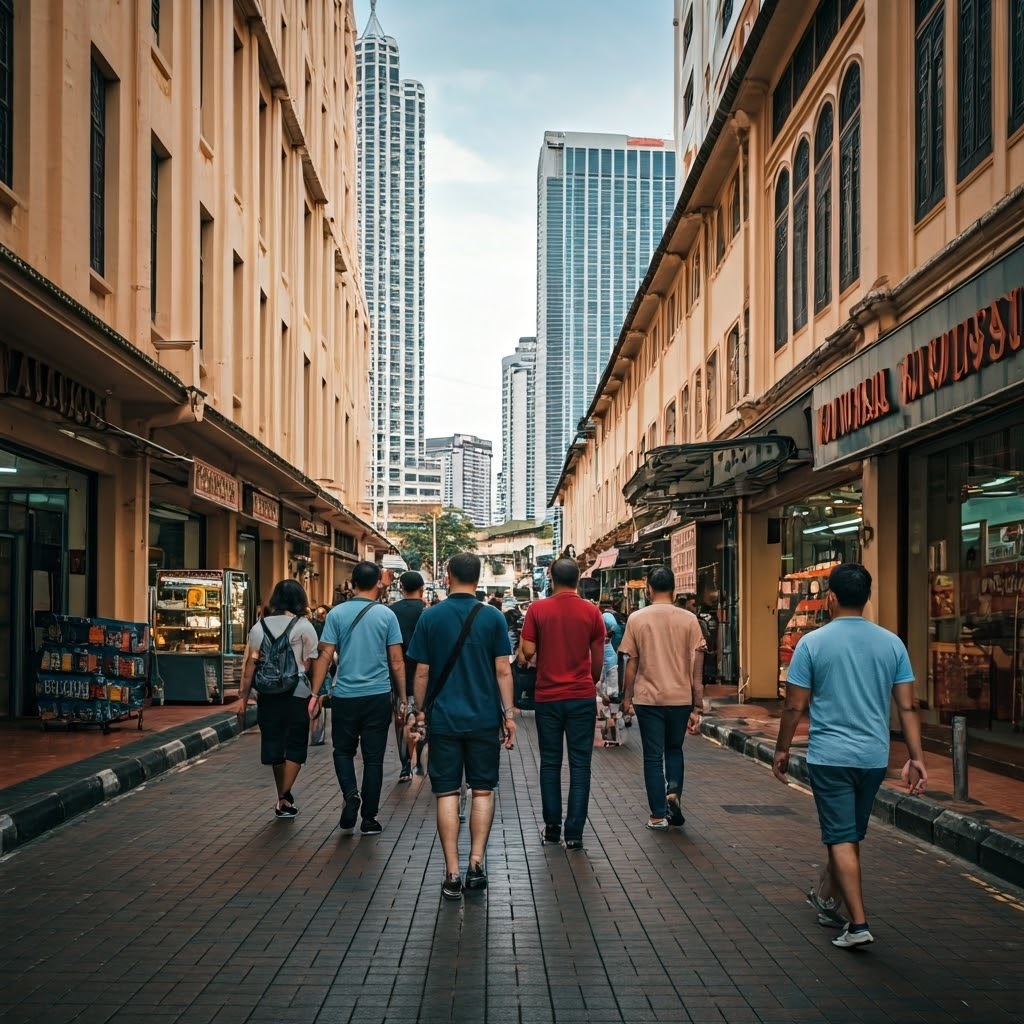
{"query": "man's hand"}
{"type": "Point", "coordinates": [240, 705]}
{"type": "Point", "coordinates": [780, 765]}
{"type": "Point", "coordinates": [510, 733]}
{"type": "Point", "coordinates": [915, 775]}
{"type": "Point", "coordinates": [693, 723]}
{"type": "Point", "coordinates": [627, 705]}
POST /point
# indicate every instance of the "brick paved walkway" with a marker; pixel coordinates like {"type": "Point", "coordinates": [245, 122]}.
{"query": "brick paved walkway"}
{"type": "Point", "coordinates": [186, 901]}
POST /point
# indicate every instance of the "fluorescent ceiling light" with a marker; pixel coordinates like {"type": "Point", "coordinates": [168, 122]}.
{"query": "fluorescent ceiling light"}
{"type": "Point", "coordinates": [999, 481]}
{"type": "Point", "coordinates": [846, 529]}
{"type": "Point", "coordinates": [817, 529]}
{"type": "Point", "coordinates": [967, 527]}
{"type": "Point", "coordinates": [8, 469]}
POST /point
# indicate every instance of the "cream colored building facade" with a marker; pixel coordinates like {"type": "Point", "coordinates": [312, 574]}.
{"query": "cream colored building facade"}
{"type": "Point", "coordinates": [184, 338]}
{"type": "Point", "coordinates": [823, 363]}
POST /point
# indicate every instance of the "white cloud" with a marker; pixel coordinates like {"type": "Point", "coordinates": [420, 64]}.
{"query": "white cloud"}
{"type": "Point", "coordinates": [450, 162]}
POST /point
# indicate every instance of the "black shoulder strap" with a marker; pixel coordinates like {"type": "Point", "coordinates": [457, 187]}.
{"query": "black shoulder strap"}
{"type": "Point", "coordinates": [435, 690]}
{"type": "Point", "coordinates": [355, 621]}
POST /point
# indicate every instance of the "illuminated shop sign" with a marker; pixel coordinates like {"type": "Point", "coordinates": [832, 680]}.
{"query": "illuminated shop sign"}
{"type": "Point", "coordinates": [971, 352]}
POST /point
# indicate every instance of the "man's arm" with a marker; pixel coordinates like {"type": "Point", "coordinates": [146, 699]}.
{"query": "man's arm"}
{"type": "Point", "coordinates": [627, 685]}
{"type": "Point", "coordinates": [798, 700]}
{"type": "Point", "coordinates": [419, 686]}
{"type": "Point", "coordinates": [396, 665]}
{"type": "Point", "coordinates": [319, 673]}
{"type": "Point", "coordinates": [914, 773]}
{"type": "Point", "coordinates": [248, 671]}
{"type": "Point", "coordinates": [527, 652]}
{"type": "Point", "coordinates": [697, 679]}
{"type": "Point", "coordinates": [503, 670]}
{"type": "Point", "coordinates": [596, 659]}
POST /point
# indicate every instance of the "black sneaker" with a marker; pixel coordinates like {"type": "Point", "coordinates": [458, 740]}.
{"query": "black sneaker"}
{"type": "Point", "coordinates": [452, 887]}
{"type": "Point", "coordinates": [476, 877]}
{"type": "Point", "coordinates": [675, 814]}
{"type": "Point", "coordinates": [371, 827]}
{"type": "Point", "coordinates": [405, 775]}
{"type": "Point", "coordinates": [288, 811]}
{"type": "Point", "coordinates": [574, 844]}
{"type": "Point", "coordinates": [350, 812]}
{"type": "Point", "coordinates": [551, 834]}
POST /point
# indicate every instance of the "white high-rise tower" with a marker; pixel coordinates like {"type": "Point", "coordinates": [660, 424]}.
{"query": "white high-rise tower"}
{"type": "Point", "coordinates": [390, 146]}
{"type": "Point", "coordinates": [518, 437]}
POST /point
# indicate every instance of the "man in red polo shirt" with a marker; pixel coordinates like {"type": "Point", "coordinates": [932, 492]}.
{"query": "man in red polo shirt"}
{"type": "Point", "coordinates": [567, 636]}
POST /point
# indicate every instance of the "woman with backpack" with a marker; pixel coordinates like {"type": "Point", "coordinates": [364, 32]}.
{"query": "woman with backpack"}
{"type": "Point", "coordinates": [281, 647]}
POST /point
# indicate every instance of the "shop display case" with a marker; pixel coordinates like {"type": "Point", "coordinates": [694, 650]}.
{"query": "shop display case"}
{"type": "Point", "coordinates": [201, 622]}
{"type": "Point", "coordinates": [91, 671]}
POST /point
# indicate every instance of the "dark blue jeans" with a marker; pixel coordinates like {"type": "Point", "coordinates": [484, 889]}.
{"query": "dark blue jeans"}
{"type": "Point", "coordinates": [662, 730]}
{"type": "Point", "coordinates": [361, 722]}
{"type": "Point", "coordinates": [574, 721]}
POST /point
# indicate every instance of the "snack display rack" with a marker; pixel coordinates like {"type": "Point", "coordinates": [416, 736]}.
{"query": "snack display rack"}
{"type": "Point", "coordinates": [92, 671]}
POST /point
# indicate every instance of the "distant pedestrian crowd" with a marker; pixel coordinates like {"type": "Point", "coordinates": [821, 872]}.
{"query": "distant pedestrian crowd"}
{"type": "Point", "coordinates": [441, 678]}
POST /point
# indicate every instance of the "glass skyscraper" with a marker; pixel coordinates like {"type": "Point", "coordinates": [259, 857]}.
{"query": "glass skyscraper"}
{"type": "Point", "coordinates": [602, 205]}
{"type": "Point", "coordinates": [390, 147]}
{"type": "Point", "coordinates": [518, 437]}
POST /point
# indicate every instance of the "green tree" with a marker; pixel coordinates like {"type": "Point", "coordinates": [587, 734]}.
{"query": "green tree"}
{"type": "Point", "coordinates": [455, 533]}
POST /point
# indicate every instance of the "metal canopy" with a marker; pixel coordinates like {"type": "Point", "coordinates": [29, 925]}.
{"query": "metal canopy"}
{"type": "Point", "coordinates": [710, 473]}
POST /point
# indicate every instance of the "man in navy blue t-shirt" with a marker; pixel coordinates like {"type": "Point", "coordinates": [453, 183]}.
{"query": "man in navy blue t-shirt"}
{"type": "Point", "coordinates": [468, 712]}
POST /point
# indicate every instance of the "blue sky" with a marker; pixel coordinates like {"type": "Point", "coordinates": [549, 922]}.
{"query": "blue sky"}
{"type": "Point", "coordinates": [498, 74]}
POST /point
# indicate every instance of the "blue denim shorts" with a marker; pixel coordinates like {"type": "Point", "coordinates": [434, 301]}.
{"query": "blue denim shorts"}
{"type": "Point", "coordinates": [477, 755]}
{"type": "Point", "coordinates": [844, 797]}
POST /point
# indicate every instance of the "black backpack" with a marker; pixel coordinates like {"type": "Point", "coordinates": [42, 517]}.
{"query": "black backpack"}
{"type": "Point", "coordinates": [277, 671]}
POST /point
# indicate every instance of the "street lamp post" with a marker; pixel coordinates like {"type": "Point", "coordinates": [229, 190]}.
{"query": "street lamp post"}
{"type": "Point", "coordinates": [433, 516]}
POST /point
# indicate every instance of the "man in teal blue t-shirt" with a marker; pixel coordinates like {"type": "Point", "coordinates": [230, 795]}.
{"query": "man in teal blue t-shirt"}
{"type": "Point", "coordinates": [846, 674]}
{"type": "Point", "coordinates": [365, 693]}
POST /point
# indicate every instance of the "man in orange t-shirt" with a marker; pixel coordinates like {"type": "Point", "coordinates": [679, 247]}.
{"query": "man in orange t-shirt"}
{"type": "Point", "coordinates": [664, 682]}
{"type": "Point", "coordinates": [567, 635]}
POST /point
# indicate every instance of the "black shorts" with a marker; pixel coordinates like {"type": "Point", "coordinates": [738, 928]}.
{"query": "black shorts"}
{"type": "Point", "coordinates": [284, 727]}
{"type": "Point", "coordinates": [475, 754]}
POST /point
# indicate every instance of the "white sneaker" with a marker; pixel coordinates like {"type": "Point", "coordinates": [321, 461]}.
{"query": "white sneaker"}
{"type": "Point", "coordinates": [659, 825]}
{"type": "Point", "coordinates": [848, 940]}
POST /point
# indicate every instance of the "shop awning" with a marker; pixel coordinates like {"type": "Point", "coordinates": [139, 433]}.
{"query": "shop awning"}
{"type": "Point", "coordinates": [605, 560]}
{"type": "Point", "coordinates": [688, 476]}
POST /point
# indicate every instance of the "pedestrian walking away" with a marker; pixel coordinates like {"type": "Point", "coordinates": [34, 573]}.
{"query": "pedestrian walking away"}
{"type": "Point", "coordinates": [283, 717]}
{"type": "Point", "coordinates": [610, 713]}
{"type": "Point", "coordinates": [364, 693]}
{"type": "Point", "coordinates": [846, 675]}
{"type": "Point", "coordinates": [463, 690]}
{"type": "Point", "coordinates": [664, 683]}
{"type": "Point", "coordinates": [408, 611]}
{"type": "Point", "coordinates": [566, 636]}
{"type": "Point", "coordinates": [318, 720]}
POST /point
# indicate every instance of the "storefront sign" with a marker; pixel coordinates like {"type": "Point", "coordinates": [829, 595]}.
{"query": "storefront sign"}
{"type": "Point", "coordinates": [684, 559]}
{"type": "Point", "coordinates": [214, 485]}
{"type": "Point", "coordinates": [22, 376]}
{"type": "Point", "coordinates": [261, 507]}
{"type": "Point", "coordinates": [314, 528]}
{"type": "Point", "coordinates": [964, 349]}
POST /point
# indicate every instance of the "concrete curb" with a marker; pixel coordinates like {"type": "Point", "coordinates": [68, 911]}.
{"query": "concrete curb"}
{"type": "Point", "coordinates": [969, 838]}
{"type": "Point", "coordinates": [32, 808]}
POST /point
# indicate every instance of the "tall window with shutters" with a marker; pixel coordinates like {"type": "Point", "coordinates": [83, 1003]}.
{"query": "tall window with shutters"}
{"type": "Point", "coordinates": [698, 405]}
{"type": "Point", "coordinates": [711, 389]}
{"type": "Point", "coordinates": [684, 415]}
{"type": "Point", "coordinates": [849, 178]}
{"type": "Point", "coordinates": [735, 205]}
{"type": "Point", "coordinates": [97, 167]}
{"type": "Point", "coordinates": [732, 353]}
{"type": "Point", "coordinates": [719, 235]}
{"type": "Point", "coordinates": [7, 92]}
{"type": "Point", "coordinates": [929, 80]}
{"type": "Point", "coordinates": [1016, 65]}
{"type": "Point", "coordinates": [974, 80]}
{"type": "Point", "coordinates": [781, 260]}
{"type": "Point", "coordinates": [670, 423]}
{"type": "Point", "coordinates": [823, 136]}
{"type": "Point", "coordinates": [801, 201]}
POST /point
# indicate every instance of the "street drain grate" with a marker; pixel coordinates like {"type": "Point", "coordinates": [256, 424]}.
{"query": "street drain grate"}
{"type": "Point", "coordinates": [762, 809]}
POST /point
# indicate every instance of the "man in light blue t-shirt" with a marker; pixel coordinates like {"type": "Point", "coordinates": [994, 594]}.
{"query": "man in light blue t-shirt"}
{"type": "Point", "coordinates": [366, 691]}
{"type": "Point", "coordinates": [846, 674]}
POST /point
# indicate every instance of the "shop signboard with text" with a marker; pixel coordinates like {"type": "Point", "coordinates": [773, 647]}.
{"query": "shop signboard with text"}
{"type": "Point", "coordinates": [216, 486]}
{"type": "Point", "coordinates": [964, 349]}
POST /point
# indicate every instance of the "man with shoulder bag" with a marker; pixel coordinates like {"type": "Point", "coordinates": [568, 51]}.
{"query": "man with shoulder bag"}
{"type": "Point", "coordinates": [364, 692]}
{"type": "Point", "coordinates": [463, 686]}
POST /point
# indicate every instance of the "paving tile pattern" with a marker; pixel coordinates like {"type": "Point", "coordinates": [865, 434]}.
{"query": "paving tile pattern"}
{"type": "Point", "coordinates": [185, 900]}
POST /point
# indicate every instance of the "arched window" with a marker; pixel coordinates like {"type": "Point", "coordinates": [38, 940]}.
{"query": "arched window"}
{"type": "Point", "coordinates": [736, 212]}
{"type": "Point", "coordinates": [711, 388]}
{"type": "Point", "coordinates": [695, 290]}
{"type": "Point", "coordinates": [684, 408]}
{"type": "Point", "coordinates": [849, 179]}
{"type": "Point", "coordinates": [823, 208]}
{"type": "Point", "coordinates": [732, 355]}
{"type": "Point", "coordinates": [781, 259]}
{"type": "Point", "coordinates": [801, 199]}
{"type": "Point", "coordinates": [698, 405]}
{"type": "Point", "coordinates": [670, 423]}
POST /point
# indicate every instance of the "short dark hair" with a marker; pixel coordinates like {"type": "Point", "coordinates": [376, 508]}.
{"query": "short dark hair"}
{"type": "Point", "coordinates": [661, 580]}
{"type": "Point", "coordinates": [410, 581]}
{"type": "Point", "coordinates": [365, 575]}
{"type": "Point", "coordinates": [465, 567]}
{"type": "Point", "coordinates": [565, 572]}
{"type": "Point", "coordinates": [851, 583]}
{"type": "Point", "coordinates": [288, 596]}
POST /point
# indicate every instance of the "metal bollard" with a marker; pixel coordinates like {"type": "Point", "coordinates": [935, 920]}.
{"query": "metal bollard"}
{"type": "Point", "coordinates": [959, 757]}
